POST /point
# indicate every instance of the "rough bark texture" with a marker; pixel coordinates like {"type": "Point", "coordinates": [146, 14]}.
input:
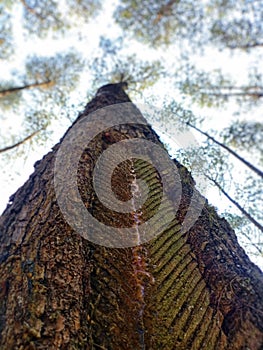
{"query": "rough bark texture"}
{"type": "Point", "coordinates": [193, 290]}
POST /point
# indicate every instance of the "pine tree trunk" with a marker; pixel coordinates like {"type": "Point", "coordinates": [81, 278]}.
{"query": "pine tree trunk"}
{"type": "Point", "coordinates": [180, 290]}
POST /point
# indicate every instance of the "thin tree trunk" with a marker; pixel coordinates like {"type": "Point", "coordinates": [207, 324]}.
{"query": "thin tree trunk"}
{"type": "Point", "coordinates": [237, 94]}
{"type": "Point", "coordinates": [183, 289]}
{"type": "Point", "coordinates": [244, 161]}
{"type": "Point", "coordinates": [245, 46]}
{"type": "Point", "coordinates": [21, 142]}
{"type": "Point", "coordinates": [236, 204]}
{"type": "Point", "coordinates": [10, 91]}
{"type": "Point", "coordinates": [31, 10]}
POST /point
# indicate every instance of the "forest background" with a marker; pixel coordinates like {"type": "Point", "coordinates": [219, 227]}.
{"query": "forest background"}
{"type": "Point", "coordinates": [198, 64]}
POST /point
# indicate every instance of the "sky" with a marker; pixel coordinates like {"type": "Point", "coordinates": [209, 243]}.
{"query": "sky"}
{"type": "Point", "coordinates": [16, 171]}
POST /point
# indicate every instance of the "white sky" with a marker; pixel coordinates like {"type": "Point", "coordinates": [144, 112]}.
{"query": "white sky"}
{"type": "Point", "coordinates": [20, 168]}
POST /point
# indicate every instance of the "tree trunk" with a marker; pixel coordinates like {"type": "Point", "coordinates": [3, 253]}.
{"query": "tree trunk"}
{"type": "Point", "coordinates": [191, 288]}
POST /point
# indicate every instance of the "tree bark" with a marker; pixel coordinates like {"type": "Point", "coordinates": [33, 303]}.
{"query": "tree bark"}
{"type": "Point", "coordinates": [193, 289]}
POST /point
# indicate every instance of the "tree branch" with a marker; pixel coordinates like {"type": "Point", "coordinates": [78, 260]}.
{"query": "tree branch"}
{"type": "Point", "coordinates": [236, 204]}
{"type": "Point", "coordinates": [249, 165]}
{"type": "Point", "coordinates": [252, 243]}
{"type": "Point", "coordinates": [164, 10]}
{"type": "Point", "coordinates": [31, 10]}
{"type": "Point", "coordinates": [8, 148]}
{"type": "Point", "coordinates": [9, 91]}
{"type": "Point", "coordinates": [246, 46]}
{"type": "Point", "coordinates": [228, 94]}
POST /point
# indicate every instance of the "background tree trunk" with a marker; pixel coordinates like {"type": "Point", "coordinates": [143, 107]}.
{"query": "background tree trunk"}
{"type": "Point", "coordinates": [182, 290]}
